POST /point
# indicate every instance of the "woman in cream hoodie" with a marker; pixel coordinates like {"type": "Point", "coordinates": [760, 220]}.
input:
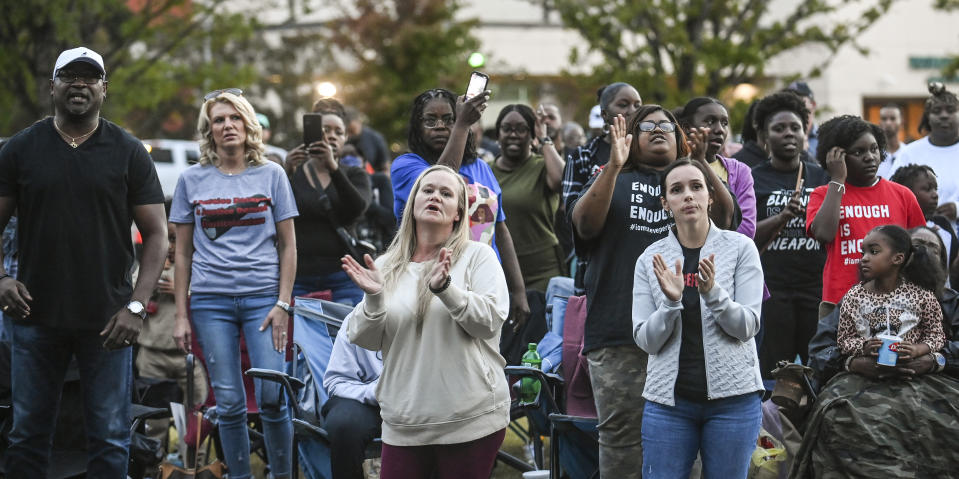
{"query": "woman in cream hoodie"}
{"type": "Point", "coordinates": [434, 304]}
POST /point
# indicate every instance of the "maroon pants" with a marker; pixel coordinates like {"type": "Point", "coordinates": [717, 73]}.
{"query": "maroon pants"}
{"type": "Point", "coordinates": [467, 460]}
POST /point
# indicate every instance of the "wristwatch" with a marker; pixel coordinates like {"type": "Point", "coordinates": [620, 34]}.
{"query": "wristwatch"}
{"type": "Point", "coordinates": [136, 307]}
{"type": "Point", "coordinates": [940, 362]}
{"type": "Point", "coordinates": [546, 140]}
{"type": "Point", "coordinates": [285, 307]}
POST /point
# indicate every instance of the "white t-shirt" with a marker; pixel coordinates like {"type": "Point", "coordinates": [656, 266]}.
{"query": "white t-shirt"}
{"type": "Point", "coordinates": [944, 160]}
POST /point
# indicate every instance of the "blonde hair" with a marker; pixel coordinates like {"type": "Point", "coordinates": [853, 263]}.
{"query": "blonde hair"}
{"type": "Point", "coordinates": [254, 132]}
{"type": "Point", "coordinates": [397, 257]}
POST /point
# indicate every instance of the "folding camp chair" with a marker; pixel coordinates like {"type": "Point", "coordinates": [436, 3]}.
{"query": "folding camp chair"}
{"type": "Point", "coordinates": [565, 400]}
{"type": "Point", "coordinates": [317, 323]}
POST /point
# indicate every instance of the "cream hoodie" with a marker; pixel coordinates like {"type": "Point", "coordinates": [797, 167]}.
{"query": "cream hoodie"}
{"type": "Point", "coordinates": [443, 380]}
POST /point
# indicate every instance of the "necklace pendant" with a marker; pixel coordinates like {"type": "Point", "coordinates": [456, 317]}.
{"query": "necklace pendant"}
{"type": "Point", "coordinates": [74, 144]}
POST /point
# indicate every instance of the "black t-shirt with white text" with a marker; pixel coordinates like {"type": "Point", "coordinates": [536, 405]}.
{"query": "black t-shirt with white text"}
{"type": "Point", "coordinates": [691, 380]}
{"type": "Point", "coordinates": [75, 210]}
{"type": "Point", "coordinates": [793, 261]}
{"type": "Point", "coordinates": [635, 220]}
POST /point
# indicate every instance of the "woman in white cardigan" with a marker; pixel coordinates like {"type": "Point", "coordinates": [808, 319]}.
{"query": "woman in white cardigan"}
{"type": "Point", "coordinates": [435, 303]}
{"type": "Point", "coordinates": [696, 302]}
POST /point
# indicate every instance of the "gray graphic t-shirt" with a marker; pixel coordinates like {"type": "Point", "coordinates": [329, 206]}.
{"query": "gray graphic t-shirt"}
{"type": "Point", "coordinates": [234, 218]}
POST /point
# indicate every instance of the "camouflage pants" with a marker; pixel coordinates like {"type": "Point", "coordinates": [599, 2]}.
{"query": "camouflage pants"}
{"type": "Point", "coordinates": [862, 427]}
{"type": "Point", "coordinates": [618, 374]}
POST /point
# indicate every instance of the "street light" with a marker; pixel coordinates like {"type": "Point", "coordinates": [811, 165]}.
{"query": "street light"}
{"type": "Point", "coordinates": [325, 89]}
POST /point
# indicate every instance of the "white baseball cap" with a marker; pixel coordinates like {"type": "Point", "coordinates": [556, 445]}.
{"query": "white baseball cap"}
{"type": "Point", "coordinates": [79, 54]}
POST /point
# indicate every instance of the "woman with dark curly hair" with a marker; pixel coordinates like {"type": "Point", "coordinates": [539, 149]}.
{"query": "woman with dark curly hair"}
{"type": "Point", "coordinates": [792, 262]}
{"type": "Point", "coordinates": [940, 148]}
{"type": "Point", "coordinates": [439, 134]}
{"type": "Point", "coordinates": [855, 201]}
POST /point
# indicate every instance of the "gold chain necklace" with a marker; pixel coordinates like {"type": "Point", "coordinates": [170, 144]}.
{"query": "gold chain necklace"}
{"type": "Point", "coordinates": [73, 141]}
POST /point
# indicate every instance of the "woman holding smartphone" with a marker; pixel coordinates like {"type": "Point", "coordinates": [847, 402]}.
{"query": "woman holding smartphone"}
{"type": "Point", "coordinates": [235, 263]}
{"type": "Point", "coordinates": [439, 134]}
{"type": "Point", "coordinates": [696, 300]}
{"type": "Point", "coordinates": [328, 196]}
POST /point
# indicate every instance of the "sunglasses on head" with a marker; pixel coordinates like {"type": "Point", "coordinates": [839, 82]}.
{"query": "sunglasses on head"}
{"type": "Point", "coordinates": [215, 93]}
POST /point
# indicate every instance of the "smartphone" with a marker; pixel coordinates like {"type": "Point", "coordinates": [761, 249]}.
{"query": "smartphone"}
{"type": "Point", "coordinates": [477, 85]}
{"type": "Point", "coordinates": [312, 128]}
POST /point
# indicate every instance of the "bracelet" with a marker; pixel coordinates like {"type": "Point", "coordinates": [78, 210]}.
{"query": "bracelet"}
{"type": "Point", "coordinates": [842, 187]}
{"type": "Point", "coordinates": [848, 362]}
{"type": "Point", "coordinates": [446, 284]}
{"type": "Point", "coordinates": [4, 276]}
{"type": "Point", "coordinates": [284, 306]}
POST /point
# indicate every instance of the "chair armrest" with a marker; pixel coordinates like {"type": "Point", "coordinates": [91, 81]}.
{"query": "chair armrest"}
{"type": "Point", "coordinates": [554, 380]}
{"type": "Point", "coordinates": [553, 384]}
{"type": "Point", "coordinates": [276, 376]}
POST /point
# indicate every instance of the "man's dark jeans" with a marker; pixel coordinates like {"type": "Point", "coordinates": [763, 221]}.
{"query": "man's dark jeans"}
{"type": "Point", "coordinates": [40, 358]}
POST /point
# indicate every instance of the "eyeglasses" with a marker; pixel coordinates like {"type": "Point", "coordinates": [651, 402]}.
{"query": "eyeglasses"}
{"type": "Point", "coordinates": [437, 122]}
{"type": "Point", "coordinates": [215, 93]}
{"type": "Point", "coordinates": [86, 78]}
{"type": "Point", "coordinates": [665, 126]}
{"type": "Point", "coordinates": [519, 130]}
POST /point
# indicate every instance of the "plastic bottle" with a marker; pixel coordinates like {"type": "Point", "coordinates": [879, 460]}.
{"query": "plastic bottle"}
{"type": "Point", "coordinates": [529, 387]}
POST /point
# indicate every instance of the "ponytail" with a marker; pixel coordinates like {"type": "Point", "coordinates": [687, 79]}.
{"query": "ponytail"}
{"type": "Point", "coordinates": [924, 270]}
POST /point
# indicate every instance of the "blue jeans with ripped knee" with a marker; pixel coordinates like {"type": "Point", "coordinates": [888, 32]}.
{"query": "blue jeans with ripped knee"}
{"type": "Point", "coordinates": [218, 321]}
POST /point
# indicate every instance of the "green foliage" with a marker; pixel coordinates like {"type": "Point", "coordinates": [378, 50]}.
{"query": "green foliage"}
{"type": "Point", "coordinates": [672, 50]}
{"type": "Point", "coordinates": [400, 48]}
{"type": "Point", "coordinates": [952, 68]}
{"type": "Point", "coordinates": [157, 55]}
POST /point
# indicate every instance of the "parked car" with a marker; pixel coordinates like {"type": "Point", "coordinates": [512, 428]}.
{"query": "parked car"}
{"type": "Point", "coordinates": [171, 157]}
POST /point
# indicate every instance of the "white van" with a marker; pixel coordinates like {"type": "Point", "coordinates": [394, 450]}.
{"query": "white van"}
{"type": "Point", "coordinates": [171, 157]}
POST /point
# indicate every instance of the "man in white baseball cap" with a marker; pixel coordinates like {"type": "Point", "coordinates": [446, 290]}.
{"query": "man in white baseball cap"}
{"type": "Point", "coordinates": [79, 54]}
{"type": "Point", "coordinates": [77, 181]}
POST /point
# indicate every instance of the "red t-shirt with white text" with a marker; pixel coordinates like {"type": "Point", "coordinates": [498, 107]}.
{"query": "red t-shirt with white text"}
{"type": "Point", "coordinates": [861, 210]}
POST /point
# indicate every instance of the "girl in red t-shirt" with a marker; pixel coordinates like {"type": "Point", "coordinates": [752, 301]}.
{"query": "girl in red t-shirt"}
{"type": "Point", "coordinates": [855, 201]}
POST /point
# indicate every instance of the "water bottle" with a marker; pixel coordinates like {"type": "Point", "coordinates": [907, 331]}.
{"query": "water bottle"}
{"type": "Point", "coordinates": [529, 387]}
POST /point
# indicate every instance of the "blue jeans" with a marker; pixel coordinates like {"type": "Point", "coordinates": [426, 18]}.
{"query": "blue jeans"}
{"type": "Point", "coordinates": [218, 321]}
{"type": "Point", "coordinates": [724, 431]}
{"type": "Point", "coordinates": [39, 360]}
{"type": "Point", "coordinates": [343, 289]}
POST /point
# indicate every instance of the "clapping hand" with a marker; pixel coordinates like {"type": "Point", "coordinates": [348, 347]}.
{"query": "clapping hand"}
{"type": "Point", "coordinates": [707, 274]}
{"type": "Point", "coordinates": [441, 269]}
{"type": "Point", "coordinates": [671, 282]}
{"type": "Point", "coordinates": [619, 142]}
{"type": "Point", "coordinates": [369, 279]}
{"type": "Point", "coordinates": [697, 143]}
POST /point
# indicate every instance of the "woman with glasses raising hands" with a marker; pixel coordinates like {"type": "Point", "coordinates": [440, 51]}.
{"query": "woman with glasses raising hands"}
{"type": "Point", "coordinates": [618, 215]}
{"type": "Point", "coordinates": [531, 187]}
{"type": "Point", "coordinates": [439, 134]}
